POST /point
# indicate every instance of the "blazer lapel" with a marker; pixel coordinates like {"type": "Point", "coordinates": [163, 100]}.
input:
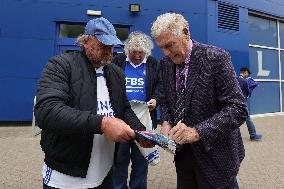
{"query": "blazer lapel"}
{"type": "Point", "coordinates": [172, 81]}
{"type": "Point", "coordinates": [169, 78]}
{"type": "Point", "coordinates": [194, 70]}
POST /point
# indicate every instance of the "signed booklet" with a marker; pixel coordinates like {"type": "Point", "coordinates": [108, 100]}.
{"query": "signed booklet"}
{"type": "Point", "coordinates": [159, 139]}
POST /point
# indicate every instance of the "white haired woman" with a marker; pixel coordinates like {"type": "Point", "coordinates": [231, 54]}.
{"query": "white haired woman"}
{"type": "Point", "coordinates": [141, 70]}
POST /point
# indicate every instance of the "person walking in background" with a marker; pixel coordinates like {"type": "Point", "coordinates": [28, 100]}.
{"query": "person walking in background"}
{"type": "Point", "coordinates": [247, 85]}
{"type": "Point", "coordinates": [82, 109]}
{"type": "Point", "coordinates": [202, 106]}
{"type": "Point", "coordinates": [141, 70]}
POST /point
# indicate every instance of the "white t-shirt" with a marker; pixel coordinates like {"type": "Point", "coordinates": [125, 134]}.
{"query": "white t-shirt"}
{"type": "Point", "coordinates": [102, 152]}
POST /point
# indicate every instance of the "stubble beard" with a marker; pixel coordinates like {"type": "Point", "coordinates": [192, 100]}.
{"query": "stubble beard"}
{"type": "Point", "coordinates": [99, 62]}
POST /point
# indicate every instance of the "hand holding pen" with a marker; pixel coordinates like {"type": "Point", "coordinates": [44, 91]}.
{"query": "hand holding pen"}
{"type": "Point", "coordinates": [183, 134]}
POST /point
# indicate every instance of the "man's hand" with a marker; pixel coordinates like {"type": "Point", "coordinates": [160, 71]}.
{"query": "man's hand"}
{"type": "Point", "coordinates": [166, 127]}
{"type": "Point", "coordinates": [152, 104]}
{"type": "Point", "coordinates": [116, 130]}
{"type": "Point", "coordinates": [182, 134]}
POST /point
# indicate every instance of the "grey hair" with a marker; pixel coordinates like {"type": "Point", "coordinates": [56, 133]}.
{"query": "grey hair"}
{"type": "Point", "coordinates": [81, 40]}
{"type": "Point", "coordinates": [173, 22]}
{"type": "Point", "coordinates": [138, 40]}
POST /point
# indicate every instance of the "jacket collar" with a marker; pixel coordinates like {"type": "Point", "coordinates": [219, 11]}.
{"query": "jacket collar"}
{"type": "Point", "coordinates": [194, 70]}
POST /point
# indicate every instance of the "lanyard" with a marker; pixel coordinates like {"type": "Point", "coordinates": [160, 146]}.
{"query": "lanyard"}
{"type": "Point", "coordinates": [186, 63]}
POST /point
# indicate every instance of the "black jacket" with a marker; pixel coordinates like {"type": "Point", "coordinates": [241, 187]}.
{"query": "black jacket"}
{"type": "Point", "coordinates": [66, 110]}
{"type": "Point", "coordinates": [152, 68]}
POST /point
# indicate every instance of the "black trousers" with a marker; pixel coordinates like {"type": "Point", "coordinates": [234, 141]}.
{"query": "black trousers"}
{"type": "Point", "coordinates": [188, 174]}
{"type": "Point", "coordinates": [107, 183]}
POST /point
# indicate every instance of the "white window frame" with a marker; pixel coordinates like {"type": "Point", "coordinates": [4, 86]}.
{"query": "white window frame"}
{"type": "Point", "coordinates": [278, 49]}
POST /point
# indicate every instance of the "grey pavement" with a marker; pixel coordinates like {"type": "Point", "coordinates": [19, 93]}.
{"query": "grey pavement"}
{"type": "Point", "coordinates": [21, 159]}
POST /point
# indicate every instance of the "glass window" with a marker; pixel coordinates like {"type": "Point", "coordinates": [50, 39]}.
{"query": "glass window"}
{"type": "Point", "coordinates": [70, 31]}
{"type": "Point", "coordinates": [264, 63]}
{"type": "Point", "coordinates": [121, 32]}
{"type": "Point", "coordinates": [262, 31]}
{"type": "Point", "coordinates": [68, 51]}
{"type": "Point", "coordinates": [265, 98]}
{"type": "Point", "coordinates": [74, 30]}
{"type": "Point", "coordinates": [281, 32]}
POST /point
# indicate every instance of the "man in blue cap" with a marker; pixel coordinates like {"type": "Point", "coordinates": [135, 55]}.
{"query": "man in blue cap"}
{"type": "Point", "coordinates": [83, 110]}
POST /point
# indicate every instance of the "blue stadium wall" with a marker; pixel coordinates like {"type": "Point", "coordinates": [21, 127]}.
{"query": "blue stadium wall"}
{"type": "Point", "coordinates": [28, 36]}
{"type": "Point", "coordinates": [258, 23]}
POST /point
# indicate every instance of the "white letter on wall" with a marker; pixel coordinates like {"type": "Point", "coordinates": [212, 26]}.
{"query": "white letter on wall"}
{"type": "Point", "coordinates": [261, 71]}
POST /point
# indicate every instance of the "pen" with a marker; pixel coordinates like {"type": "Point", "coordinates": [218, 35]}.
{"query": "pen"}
{"type": "Point", "coordinates": [179, 146]}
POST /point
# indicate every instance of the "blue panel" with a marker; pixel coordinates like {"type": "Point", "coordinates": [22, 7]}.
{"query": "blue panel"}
{"type": "Point", "coordinates": [28, 37]}
{"type": "Point", "coordinates": [67, 48]}
{"type": "Point", "coordinates": [239, 59]}
{"type": "Point", "coordinates": [265, 98]}
{"type": "Point", "coordinates": [260, 29]}
{"type": "Point", "coordinates": [281, 28]}
{"type": "Point", "coordinates": [24, 57]}
{"type": "Point", "coordinates": [271, 7]}
{"type": "Point", "coordinates": [264, 63]}
{"type": "Point", "coordinates": [234, 42]}
{"type": "Point", "coordinates": [26, 19]}
{"type": "Point", "coordinates": [16, 99]}
{"type": "Point", "coordinates": [66, 41]}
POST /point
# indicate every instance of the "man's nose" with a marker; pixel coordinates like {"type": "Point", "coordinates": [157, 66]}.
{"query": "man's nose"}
{"type": "Point", "coordinates": [136, 56]}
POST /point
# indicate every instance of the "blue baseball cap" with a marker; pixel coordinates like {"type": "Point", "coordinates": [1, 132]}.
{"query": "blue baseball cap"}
{"type": "Point", "coordinates": [103, 30]}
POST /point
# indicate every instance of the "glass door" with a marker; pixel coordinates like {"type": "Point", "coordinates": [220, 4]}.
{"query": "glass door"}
{"type": "Point", "coordinates": [67, 34]}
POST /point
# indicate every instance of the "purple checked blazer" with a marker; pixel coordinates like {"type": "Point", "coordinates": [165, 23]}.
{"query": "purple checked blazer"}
{"type": "Point", "coordinates": [214, 106]}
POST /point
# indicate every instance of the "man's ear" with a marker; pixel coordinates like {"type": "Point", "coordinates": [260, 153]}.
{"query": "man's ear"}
{"type": "Point", "coordinates": [84, 43]}
{"type": "Point", "coordinates": [185, 32]}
